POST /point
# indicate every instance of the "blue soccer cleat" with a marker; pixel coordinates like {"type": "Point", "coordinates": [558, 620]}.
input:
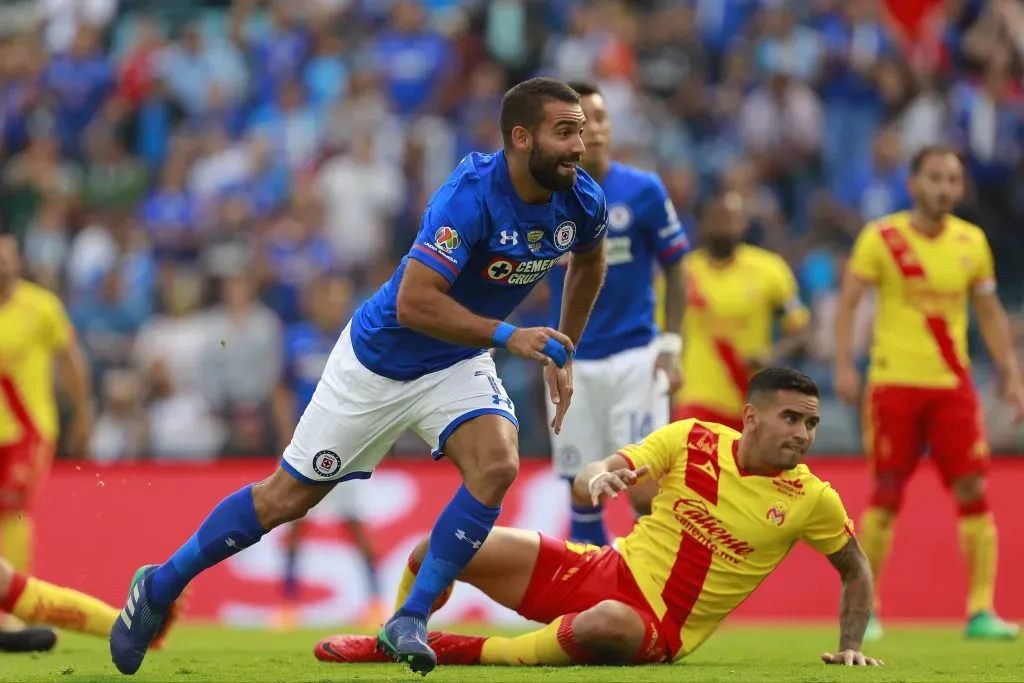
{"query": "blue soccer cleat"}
{"type": "Point", "coordinates": [138, 624]}
{"type": "Point", "coordinates": [404, 639]}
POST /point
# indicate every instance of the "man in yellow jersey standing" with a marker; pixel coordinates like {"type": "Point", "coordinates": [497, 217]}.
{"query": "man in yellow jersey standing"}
{"type": "Point", "coordinates": [730, 508]}
{"type": "Point", "coordinates": [734, 292]}
{"type": "Point", "coordinates": [926, 264]}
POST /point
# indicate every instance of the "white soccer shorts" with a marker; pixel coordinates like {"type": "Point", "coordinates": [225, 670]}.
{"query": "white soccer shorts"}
{"type": "Point", "coordinates": [355, 415]}
{"type": "Point", "coordinates": [616, 401]}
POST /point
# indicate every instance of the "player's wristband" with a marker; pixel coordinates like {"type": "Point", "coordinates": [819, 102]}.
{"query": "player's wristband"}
{"type": "Point", "coordinates": [669, 342]}
{"type": "Point", "coordinates": [502, 335]}
{"type": "Point", "coordinates": [554, 350]}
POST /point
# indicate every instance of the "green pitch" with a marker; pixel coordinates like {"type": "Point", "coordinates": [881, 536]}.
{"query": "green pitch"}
{"type": "Point", "coordinates": [735, 655]}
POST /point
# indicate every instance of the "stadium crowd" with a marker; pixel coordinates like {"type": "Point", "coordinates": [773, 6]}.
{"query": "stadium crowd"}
{"type": "Point", "coordinates": [182, 172]}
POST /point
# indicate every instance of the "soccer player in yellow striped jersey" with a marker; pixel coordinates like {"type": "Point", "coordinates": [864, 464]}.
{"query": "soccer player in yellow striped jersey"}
{"type": "Point", "coordinates": [735, 292]}
{"type": "Point", "coordinates": [730, 508]}
{"type": "Point", "coordinates": [927, 265]}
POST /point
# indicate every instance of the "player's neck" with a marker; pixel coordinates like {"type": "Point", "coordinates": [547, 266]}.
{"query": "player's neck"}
{"type": "Point", "coordinates": [925, 225]}
{"type": "Point", "coordinates": [528, 189]}
{"type": "Point", "coordinates": [7, 290]}
{"type": "Point", "coordinates": [748, 462]}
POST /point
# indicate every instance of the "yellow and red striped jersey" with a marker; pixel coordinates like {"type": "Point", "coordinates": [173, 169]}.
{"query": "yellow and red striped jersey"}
{"type": "Point", "coordinates": [923, 283]}
{"type": "Point", "coordinates": [715, 532]}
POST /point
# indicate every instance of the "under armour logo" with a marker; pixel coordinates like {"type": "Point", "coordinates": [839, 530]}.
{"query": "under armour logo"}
{"type": "Point", "coordinates": [461, 535]}
{"type": "Point", "coordinates": [509, 236]}
{"type": "Point", "coordinates": [231, 544]}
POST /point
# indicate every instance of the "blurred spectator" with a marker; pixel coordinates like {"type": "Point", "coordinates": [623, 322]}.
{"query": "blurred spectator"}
{"type": "Point", "coordinates": [361, 195]}
{"type": "Point", "coordinates": [114, 180]}
{"type": "Point", "coordinates": [170, 215]}
{"type": "Point", "coordinates": [79, 80]}
{"type": "Point", "coordinates": [120, 432]}
{"type": "Point", "coordinates": [107, 326]}
{"type": "Point", "coordinates": [414, 61]}
{"type": "Point", "coordinates": [279, 56]}
{"type": "Point", "coordinates": [241, 364]}
{"type": "Point", "coordinates": [192, 69]}
{"type": "Point", "coordinates": [46, 245]}
{"type": "Point", "coordinates": [877, 189]}
{"type": "Point", "coordinates": [292, 126]}
{"type": "Point", "coordinates": [326, 75]}
{"type": "Point", "coordinates": [63, 19]}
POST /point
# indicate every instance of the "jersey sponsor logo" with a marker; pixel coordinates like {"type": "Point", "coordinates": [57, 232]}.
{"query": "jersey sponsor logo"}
{"type": "Point", "coordinates": [791, 487]}
{"type": "Point", "coordinates": [518, 272]}
{"type": "Point", "coordinates": [326, 463]}
{"type": "Point", "coordinates": [509, 237]}
{"type": "Point", "coordinates": [446, 239]}
{"type": "Point", "coordinates": [618, 250]}
{"type": "Point", "coordinates": [534, 240]}
{"type": "Point", "coordinates": [620, 217]}
{"type": "Point", "coordinates": [706, 529]}
{"type": "Point", "coordinates": [777, 513]}
{"type": "Point", "coordinates": [565, 234]}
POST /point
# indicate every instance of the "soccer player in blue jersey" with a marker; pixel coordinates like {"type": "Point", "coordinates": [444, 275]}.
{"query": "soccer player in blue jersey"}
{"type": "Point", "coordinates": [624, 371]}
{"type": "Point", "coordinates": [307, 346]}
{"type": "Point", "coordinates": [414, 357]}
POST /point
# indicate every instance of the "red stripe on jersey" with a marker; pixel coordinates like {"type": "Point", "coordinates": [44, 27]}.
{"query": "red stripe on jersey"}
{"type": "Point", "coordinates": [17, 405]}
{"type": "Point", "coordinates": [731, 358]}
{"type": "Point", "coordinates": [683, 587]}
{"type": "Point", "coordinates": [436, 258]}
{"type": "Point", "coordinates": [702, 468]}
{"type": "Point", "coordinates": [912, 269]}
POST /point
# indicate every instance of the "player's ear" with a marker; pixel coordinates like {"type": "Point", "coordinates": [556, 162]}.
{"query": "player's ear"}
{"type": "Point", "coordinates": [522, 139]}
{"type": "Point", "coordinates": [749, 415]}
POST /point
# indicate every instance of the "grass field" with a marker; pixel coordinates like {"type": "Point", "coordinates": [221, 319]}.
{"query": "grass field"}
{"type": "Point", "coordinates": [737, 654]}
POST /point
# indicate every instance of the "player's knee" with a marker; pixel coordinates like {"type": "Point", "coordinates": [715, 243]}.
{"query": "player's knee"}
{"type": "Point", "coordinates": [969, 489]}
{"type": "Point", "coordinates": [611, 630]}
{"type": "Point", "coordinates": [888, 493]}
{"type": "Point", "coordinates": [496, 469]}
{"type": "Point", "coordinates": [6, 574]}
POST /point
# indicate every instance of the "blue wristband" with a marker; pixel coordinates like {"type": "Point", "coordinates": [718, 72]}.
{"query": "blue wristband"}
{"type": "Point", "coordinates": [502, 334]}
{"type": "Point", "coordinates": [554, 350]}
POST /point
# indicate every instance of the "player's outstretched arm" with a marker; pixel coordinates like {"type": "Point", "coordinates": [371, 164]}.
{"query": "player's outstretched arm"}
{"type": "Point", "coordinates": [998, 336]}
{"type": "Point", "coordinates": [423, 304]}
{"type": "Point", "coordinates": [855, 608]}
{"type": "Point", "coordinates": [604, 479]}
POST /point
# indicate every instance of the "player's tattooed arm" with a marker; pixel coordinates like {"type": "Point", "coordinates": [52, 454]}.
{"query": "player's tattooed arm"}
{"type": "Point", "coordinates": [858, 594]}
{"type": "Point", "coordinates": [583, 283]}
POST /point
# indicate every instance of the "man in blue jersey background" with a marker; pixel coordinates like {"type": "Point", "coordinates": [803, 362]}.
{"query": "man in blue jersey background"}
{"type": "Point", "coordinates": [625, 372]}
{"type": "Point", "coordinates": [414, 357]}
{"type": "Point", "coordinates": [327, 299]}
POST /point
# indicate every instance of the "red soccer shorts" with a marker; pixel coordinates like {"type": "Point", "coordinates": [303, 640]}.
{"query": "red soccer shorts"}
{"type": "Point", "coordinates": [699, 412]}
{"type": "Point", "coordinates": [23, 468]}
{"type": "Point", "coordinates": [900, 423]}
{"type": "Point", "coordinates": [571, 577]}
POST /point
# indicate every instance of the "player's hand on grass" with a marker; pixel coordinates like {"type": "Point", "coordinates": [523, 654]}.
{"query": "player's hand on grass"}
{"type": "Point", "coordinates": [610, 484]}
{"type": "Point", "coordinates": [559, 381]}
{"type": "Point", "coordinates": [848, 383]}
{"type": "Point", "coordinates": [850, 658]}
{"type": "Point", "coordinates": [528, 342]}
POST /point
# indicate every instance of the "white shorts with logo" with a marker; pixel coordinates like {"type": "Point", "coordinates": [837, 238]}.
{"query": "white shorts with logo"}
{"type": "Point", "coordinates": [355, 415]}
{"type": "Point", "coordinates": [616, 401]}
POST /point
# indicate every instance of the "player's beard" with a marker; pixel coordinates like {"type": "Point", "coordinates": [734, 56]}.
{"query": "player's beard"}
{"type": "Point", "coordinates": [721, 247]}
{"type": "Point", "coordinates": [544, 169]}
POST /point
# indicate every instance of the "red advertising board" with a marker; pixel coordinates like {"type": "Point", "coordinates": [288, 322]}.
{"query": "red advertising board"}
{"type": "Point", "coordinates": [97, 524]}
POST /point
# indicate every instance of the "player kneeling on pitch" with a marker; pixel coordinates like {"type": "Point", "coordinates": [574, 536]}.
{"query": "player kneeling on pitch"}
{"type": "Point", "coordinates": [729, 509]}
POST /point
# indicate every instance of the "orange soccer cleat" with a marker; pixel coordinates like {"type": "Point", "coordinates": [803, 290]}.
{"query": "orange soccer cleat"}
{"type": "Point", "coordinates": [451, 649]}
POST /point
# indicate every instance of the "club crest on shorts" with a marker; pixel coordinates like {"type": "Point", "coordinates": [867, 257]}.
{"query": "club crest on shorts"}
{"type": "Point", "coordinates": [446, 239]}
{"type": "Point", "coordinates": [564, 235]}
{"type": "Point", "coordinates": [326, 463]}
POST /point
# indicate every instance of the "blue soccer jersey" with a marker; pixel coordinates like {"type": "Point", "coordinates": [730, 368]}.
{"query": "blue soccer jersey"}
{"type": "Point", "coordinates": [306, 350]}
{"type": "Point", "coordinates": [491, 246]}
{"type": "Point", "coordinates": [642, 228]}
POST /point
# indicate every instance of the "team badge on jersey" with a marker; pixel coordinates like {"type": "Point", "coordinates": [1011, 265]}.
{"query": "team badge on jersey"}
{"type": "Point", "coordinates": [564, 235]}
{"type": "Point", "coordinates": [777, 513]}
{"type": "Point", "coordinates": [620, 217]}
{"type": "Point", "coordinates": [446, 239]}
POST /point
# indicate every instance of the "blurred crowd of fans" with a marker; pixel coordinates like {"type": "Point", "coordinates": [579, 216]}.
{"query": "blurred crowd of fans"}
{"type": "Point", "coordinates": [180, 172]}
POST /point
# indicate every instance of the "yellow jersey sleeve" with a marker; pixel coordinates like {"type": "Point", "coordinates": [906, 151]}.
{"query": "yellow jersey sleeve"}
{"type": "Point", "coordinates": [829, 527]}
{"type": "Point", "coordinates": [866, 259]}
{"type": "Point", "coordinates": [58, 331]}
{"type": "Point", "coordinates": [786, 298]}
{"type": "Point", "coordinates": [659, 450]}
{"type": "Point", "coordinates": [983, 280]}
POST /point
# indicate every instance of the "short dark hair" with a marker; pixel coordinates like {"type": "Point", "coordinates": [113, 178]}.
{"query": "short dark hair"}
{"type": "Point", "coordinates": [771, 380]}
{"type": "Point", "coordinates": [922, 155]}
{"type": "Point", "coordinates": [584, 88]}
{"type": "Point", "coordinates": [523, 104]}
